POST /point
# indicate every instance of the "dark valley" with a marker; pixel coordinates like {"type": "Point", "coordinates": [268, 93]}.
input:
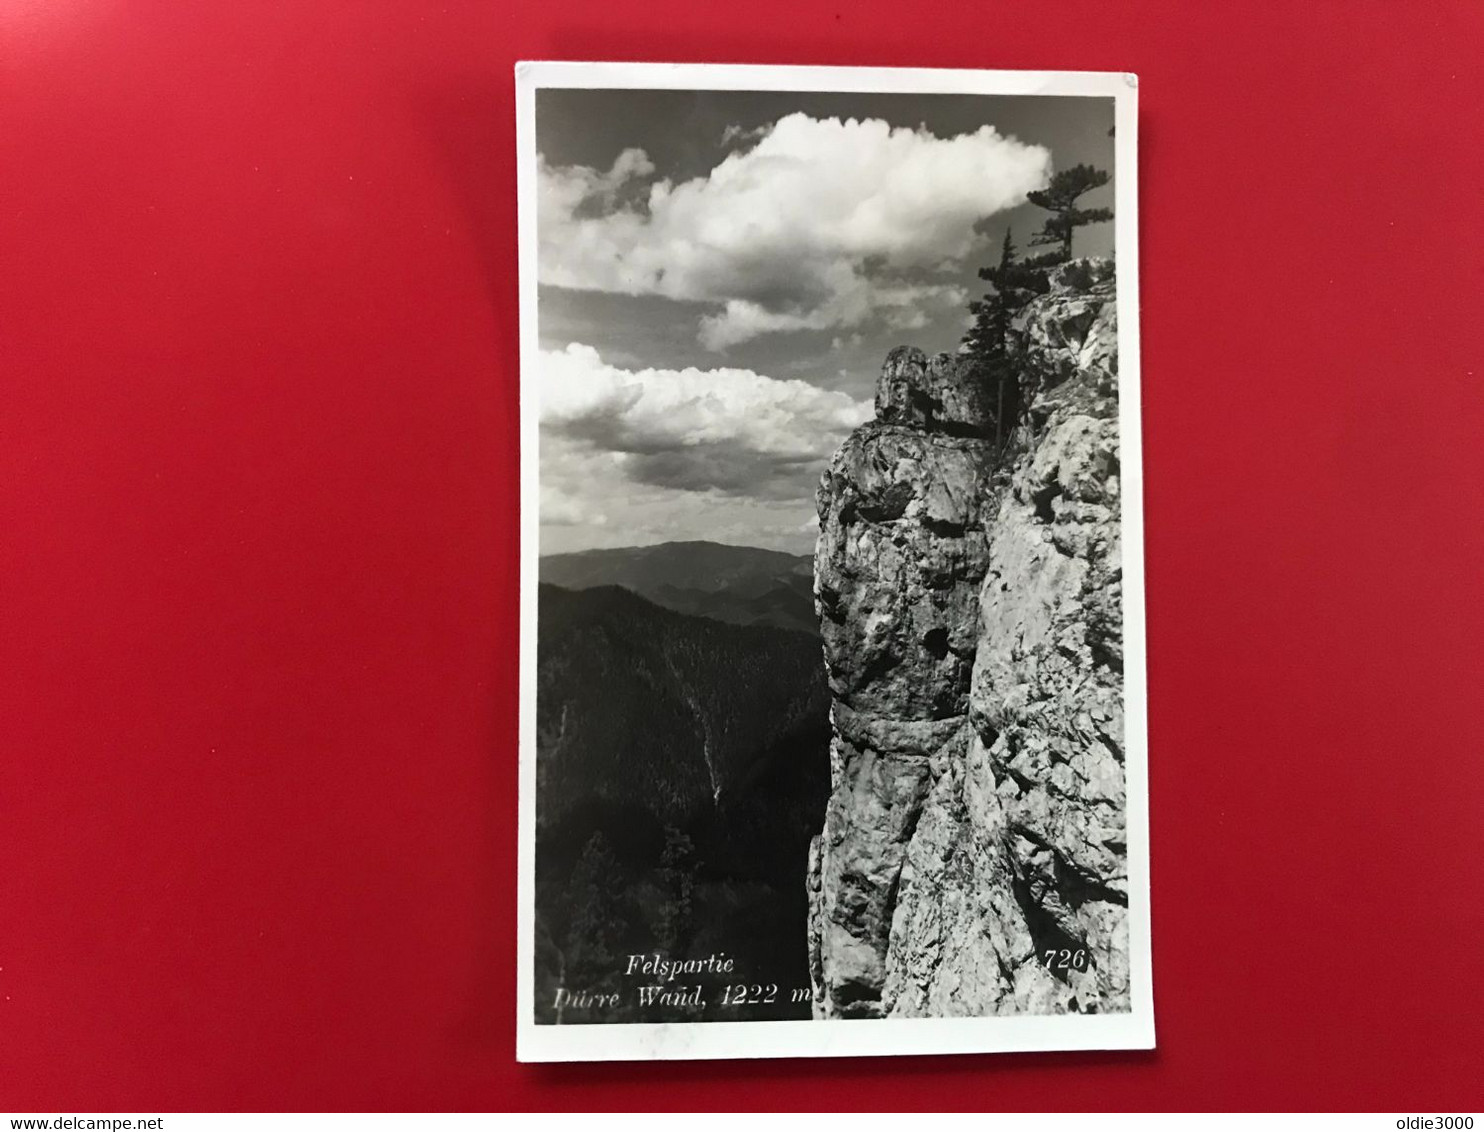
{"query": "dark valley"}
{"type": "Point", "coordinates": [682, 769]}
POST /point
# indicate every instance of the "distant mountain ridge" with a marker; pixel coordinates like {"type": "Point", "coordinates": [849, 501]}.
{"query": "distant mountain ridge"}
{"type": "Point", "coordinates": [740, 585]}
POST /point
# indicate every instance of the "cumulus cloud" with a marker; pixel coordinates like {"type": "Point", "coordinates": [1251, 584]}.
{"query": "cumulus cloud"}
{"type": "Point", "coordinates": [560, 508]}
{"type": "Point", "coordinates": [727, 431]}
{"type": "Point", "coordinates": [811, 224]}
{"type": "Point", "coordinates": [735, 134]}
{"type": "Point", "coordinates": [571, 188]}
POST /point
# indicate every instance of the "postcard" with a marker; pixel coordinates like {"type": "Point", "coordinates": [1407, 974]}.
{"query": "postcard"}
{"type": "Point", "coordinates": [833, 732]}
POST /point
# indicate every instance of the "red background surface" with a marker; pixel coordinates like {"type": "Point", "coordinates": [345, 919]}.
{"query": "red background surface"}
{"type": "Point", "coordinates": [258, 548]}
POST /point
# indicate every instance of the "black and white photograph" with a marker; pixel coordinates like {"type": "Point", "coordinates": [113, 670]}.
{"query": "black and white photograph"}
{"type": "Point", "coordinates": [832, 610]}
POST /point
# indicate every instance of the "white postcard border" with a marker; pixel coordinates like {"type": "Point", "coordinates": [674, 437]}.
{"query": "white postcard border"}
{"type": "Point", "coordinates": [857, 1037]}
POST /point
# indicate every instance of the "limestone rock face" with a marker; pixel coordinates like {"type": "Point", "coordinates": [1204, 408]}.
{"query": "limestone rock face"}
{"type": "Point", "coordinates": [972, 622]}
{"type": "Point", "coordinates": [903, 547]}
{"type": "Point", "coordinates": [932, 393]}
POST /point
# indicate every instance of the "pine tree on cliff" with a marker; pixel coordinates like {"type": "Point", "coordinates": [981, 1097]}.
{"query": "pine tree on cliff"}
{"type": "Point", "coordinates": [1014, 283]}
{"type": "Point", "coordinates": [1060, 199]}
{"type": "Point", "coordinates": [986, 337]}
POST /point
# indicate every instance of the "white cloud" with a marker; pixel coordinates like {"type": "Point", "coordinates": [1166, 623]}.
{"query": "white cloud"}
{"type": "Point", "coordinates": [740, 134]}
{"type": "Point", "coordinates": [561, 508]}
{"type": "Point", "coordinates": [813, 224]}
{"type": "Point", "coordinates": [731, 431]}
{"type": "Point", "coordinates": [562, 191]}
{"type": "Point", "coordinates": [630, 457]}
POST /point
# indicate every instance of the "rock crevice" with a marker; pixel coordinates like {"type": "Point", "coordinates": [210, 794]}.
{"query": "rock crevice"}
{"type": "Point", "coordinates": [972, 859]}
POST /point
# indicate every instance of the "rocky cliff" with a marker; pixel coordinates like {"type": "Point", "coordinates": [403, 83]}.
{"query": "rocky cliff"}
{"type": "Point", "coordinates": [968, 584]}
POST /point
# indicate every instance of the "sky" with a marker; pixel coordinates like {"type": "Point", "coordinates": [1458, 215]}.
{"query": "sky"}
{"type": "Point", "coordinates": [721, 274]}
